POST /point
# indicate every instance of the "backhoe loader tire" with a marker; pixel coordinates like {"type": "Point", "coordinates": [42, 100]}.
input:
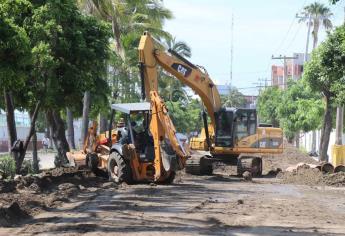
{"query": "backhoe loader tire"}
{"type": "Point", "coordinates": [118, 169]}
{"type": "Point", "coordinates": [170, 179]}
{"type": "Point", "coordinates": [92, 161]}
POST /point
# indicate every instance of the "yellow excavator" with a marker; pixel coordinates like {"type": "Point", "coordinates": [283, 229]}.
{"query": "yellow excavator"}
{"type": "Point", "coordinates": [233, 135]}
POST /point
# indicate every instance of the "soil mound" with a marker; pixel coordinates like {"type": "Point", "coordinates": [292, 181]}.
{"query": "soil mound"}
{"type": "Point", "coordinates": [28, 195]}
{"type": "Point", "coordinates": [336, 179]}
{"type": "Point", "coordinates": [290, 156]}
{"type": "Point", "coordinates": [305, 175]}
{"type": "Point", "coordinates": [11, 214]}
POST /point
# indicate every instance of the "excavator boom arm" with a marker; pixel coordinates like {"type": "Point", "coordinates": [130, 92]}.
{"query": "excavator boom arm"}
{"type": "Point", "coordinates": [151, 54]}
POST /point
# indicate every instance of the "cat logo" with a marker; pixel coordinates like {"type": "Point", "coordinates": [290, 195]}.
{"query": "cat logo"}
{"type": "Point", "coordinates": [182, 69]}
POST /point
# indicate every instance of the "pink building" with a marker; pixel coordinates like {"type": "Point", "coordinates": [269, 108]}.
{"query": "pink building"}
{"type": "Point", "coordinates": [293, 70]}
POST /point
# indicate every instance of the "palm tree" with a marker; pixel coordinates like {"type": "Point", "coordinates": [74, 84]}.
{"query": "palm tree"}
{"type": "Point", "coordinates": [129, 19]}
{"type": "Point", "coordinates": [170, 88]}
{"type": "Point", "coordinates": [127, 16]}
{"type": "Point", "coordinates": [180, 47]}
{"type": "Point", "coordinates": [319, 14]}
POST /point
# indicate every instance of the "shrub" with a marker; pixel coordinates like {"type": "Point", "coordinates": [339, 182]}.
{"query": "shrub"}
{"type": "Point", "coordinates": [7, 166]}
{"type": "Point", "coordinates": [27, 168]}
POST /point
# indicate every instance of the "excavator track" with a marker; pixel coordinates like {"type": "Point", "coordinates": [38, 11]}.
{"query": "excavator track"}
{"type": "Point", "coordinates": [253, 164]}
{"type": "Point", "coordinates": [199, 165]}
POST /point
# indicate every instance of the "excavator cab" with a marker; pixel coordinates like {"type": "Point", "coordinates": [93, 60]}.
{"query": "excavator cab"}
{"type": "Point", "coordinates": [233, 124]}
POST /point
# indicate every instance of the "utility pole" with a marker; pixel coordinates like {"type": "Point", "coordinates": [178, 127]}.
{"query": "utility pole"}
{"type": "Point", "coordinates": [285, 74]}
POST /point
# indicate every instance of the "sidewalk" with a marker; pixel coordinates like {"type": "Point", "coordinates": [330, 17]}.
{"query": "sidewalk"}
{"type": "Point", "coordinates": [46, 159]}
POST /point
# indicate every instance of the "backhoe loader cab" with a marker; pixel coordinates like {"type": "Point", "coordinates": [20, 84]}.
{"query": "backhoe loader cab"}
{"type": "Point", "coordinates": [132, 155]}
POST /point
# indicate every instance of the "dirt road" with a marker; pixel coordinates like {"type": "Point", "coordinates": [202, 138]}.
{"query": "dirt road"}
{"type": "Point", "coordinates": [209, 205]}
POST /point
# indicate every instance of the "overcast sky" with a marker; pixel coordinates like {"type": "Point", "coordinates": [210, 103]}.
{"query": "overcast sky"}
{"type": "Point", "coordinates": [261, 29]}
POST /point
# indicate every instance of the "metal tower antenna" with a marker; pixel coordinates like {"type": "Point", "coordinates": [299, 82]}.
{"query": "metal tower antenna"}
{"type": "Point", "coordinates": [232, 48]}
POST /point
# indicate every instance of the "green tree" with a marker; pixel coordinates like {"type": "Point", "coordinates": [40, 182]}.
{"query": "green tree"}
{"type": "Point", "coordinates": [319, 14]}
{"type": "Point", "coordinates": [324, 73]}
{"type": "Point", "coordinates": [234, 99]}
{"type": "Point", "coordinates": [299, 109]}
{"type": "Point", "coordinates": [180, 47]}
{"type": "Point", "coordinates": [268, 103]}
{"type": "Point", "coordinates": [66, 59]}
{"type": "Point", "coordinates": [185, 115]}
{"type": "Point", "coordinates": [171, 88]}
{"type": "Point", "coordinates": [129, 19]}
{"type": "Point", "coordinates": [128, 16]}
{"type": "Point", "coordinates": [15, 55]}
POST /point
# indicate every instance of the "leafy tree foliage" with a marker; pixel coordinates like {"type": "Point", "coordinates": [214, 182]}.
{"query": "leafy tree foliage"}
{"type": "Point", "coordinates": [14, 44]}
{"type": "Point", "coordinates": [186, 115]}
{"type": "Point", "coordinates": [300, 109]}
{"type": "Point", "coordinates": [234, 99]}
{"type": "Point", "coordinates": [50, 55]}
{"type": "Point", "coordinates": [268, 103]}
{"type": "Point", "coordinates": [325, 74]}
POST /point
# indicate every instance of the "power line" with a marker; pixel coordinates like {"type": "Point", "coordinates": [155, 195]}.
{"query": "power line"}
{"type": "Point", "coordinates": [294, 37]}
{"type": "Point", "coordinates": [289, 29]}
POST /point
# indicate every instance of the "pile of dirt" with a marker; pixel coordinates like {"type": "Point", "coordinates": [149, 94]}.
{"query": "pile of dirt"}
{"type": "Point", "coordinates": [11, 214]}
{"type": "Point", "coordinates": [30, 194]}
{"type": "Point", "coordinates": [290, 156]}
{"type": "Point", "coordinates": [305, 175]}
{"type": "Point", "coordinates": [336, 179]}
{"type": "Point", "coordinates": [302, 175]}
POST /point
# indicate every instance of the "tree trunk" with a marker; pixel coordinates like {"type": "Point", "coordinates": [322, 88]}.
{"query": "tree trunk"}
{"type": "Point", "coordinates": [339, 126]}
{"type": "Point", "coordinates": [103, 124]}
{"type": "Point", "coordinates": [315, 34]}
{"type": "Point", "coordinates": [70, 129]}
{"type": "Point", "coordinates": [59, 137]}
{"type": "Point", "coordinates": [117, 38]}
{"type": "Point", "coordinates": [49, 132]}
{"type": "Point", "coordinates": [313, 141]}
{"type": "Point", "coordinates": [10, 118]}
{"type": "Point", "coordinates": [297, 139]}
{"type": "Point", "coordinates": [85, 120]}
{"type": "Point", "coordinates": [11, 126]}
{"type": "Point", "coordinates": [33, 118]}
{"type": "Point", "coordinates": [326, 130]}
{"type": "Point", "coordinates": [290, 140]}
{"type": "Point", "coordinates": [35, 164]}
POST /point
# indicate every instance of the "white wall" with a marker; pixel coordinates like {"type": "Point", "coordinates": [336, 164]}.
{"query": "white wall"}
{"type": "Point", "coordinates": [306, 141]}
